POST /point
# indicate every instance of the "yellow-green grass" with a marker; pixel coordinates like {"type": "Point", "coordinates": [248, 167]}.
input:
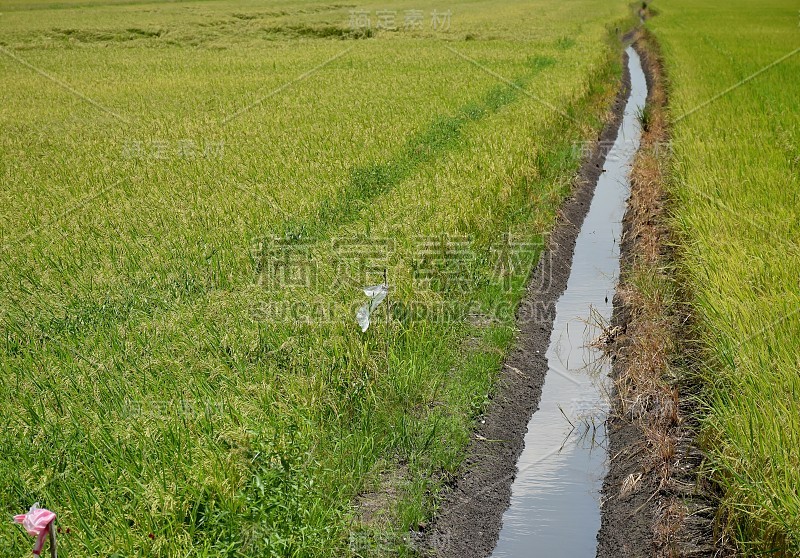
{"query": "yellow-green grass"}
{"type": "Point", "coordinates": [154, 391]}
{"type": "Point", "coordinates": [733, 70]}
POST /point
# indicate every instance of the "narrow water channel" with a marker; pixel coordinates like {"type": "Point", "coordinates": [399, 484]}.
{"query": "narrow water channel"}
{"type": "Point", "coordinates": [555, 502]}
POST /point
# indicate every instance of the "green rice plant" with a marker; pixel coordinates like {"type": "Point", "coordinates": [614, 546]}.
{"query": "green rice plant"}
{"type": "Point", "coordinates": [732, 68]}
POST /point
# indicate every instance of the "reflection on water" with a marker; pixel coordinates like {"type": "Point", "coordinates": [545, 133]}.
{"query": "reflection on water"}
{"type": "Point", "coordinates": [555, 507]}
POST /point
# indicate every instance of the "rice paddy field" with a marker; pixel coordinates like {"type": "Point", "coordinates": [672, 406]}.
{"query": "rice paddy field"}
{"type": "Point", "coordinates": [195, 193]}
{"type": "Point", "coordinates": [733, 70]}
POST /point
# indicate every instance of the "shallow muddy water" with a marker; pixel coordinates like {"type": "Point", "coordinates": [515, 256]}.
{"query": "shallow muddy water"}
{"type": "Point", "coordinates": [555, 502]}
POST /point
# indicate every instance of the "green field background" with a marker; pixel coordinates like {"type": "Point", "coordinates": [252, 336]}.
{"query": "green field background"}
{"type": "Point", "coordinates": [164, 387]}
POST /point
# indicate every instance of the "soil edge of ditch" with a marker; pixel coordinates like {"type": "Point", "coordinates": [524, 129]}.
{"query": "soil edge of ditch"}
{"type": "Point", "coordinates": [655, 502]}
{"type": "Point", "coordinates": [471, 512]}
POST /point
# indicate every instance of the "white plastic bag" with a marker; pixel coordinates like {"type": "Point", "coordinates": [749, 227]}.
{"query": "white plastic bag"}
{"type": "Point", "coordinates": [376, 295]}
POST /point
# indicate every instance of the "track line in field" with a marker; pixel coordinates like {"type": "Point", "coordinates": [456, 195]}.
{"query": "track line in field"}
{"type": "Point", "coordinates": [509, 82]}
{"type": "Point", "coordinates": [369, 181]}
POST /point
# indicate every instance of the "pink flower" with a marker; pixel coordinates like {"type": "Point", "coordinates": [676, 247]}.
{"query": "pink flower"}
{"type": "Point", "coordinates": [36, 523]}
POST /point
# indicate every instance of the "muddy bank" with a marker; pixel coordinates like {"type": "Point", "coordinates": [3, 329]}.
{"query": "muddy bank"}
{"type": "Point", "coordinates": [653, 501]}
{"type": "Point", "coordinates": [469, 522]}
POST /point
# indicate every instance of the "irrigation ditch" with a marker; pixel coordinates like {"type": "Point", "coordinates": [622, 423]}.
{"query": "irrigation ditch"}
{"type": "Point", "coordinates": [587, 448]}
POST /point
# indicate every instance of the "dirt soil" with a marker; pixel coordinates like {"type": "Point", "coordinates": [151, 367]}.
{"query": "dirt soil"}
{"type": "Point", "coordinates": [470, 517]}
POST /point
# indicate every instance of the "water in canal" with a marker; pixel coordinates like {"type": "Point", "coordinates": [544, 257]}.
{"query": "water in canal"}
{"type": "Point", "coordinates": [555, 502]}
